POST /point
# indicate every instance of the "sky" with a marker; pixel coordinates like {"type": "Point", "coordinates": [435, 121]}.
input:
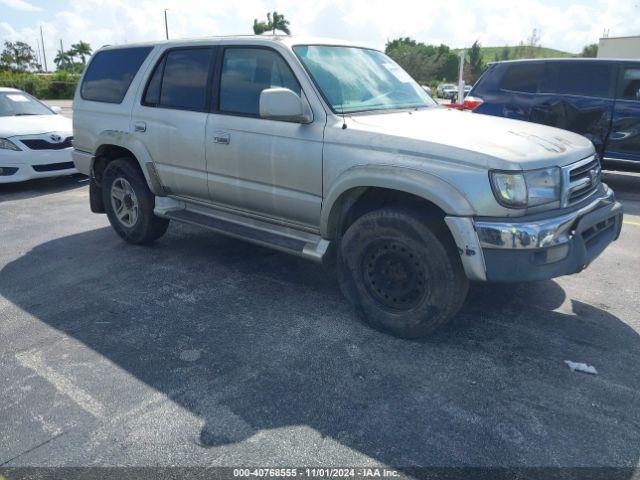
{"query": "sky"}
{"type": "Point", "coordinates": [562, 24]}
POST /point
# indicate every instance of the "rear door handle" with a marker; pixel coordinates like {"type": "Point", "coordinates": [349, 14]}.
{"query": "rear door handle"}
{"type": "Point", "coordinates": [140, 127]}
{"type": "Point", "coordinates": [222, 138]}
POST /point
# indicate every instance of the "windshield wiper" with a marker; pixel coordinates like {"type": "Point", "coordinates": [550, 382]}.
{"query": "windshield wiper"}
{"type": "Point", "coordinates": [23, 114]}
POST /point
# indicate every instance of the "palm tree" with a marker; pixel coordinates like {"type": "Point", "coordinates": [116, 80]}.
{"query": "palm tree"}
{"type": "Point", "coordinates": [279, 23]}
{"type": "Point", "coordinates": [62, 60]}
{"type": "Point", "coordinates": [81, 49]}
{"type": "Point", "coordinates": [275, 22]}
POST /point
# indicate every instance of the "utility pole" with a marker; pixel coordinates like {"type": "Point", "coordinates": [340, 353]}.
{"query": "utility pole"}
{"type": "Point", "coordinates": [44, 55]}
{"type": "Point", "coordinates": [166, 25]}
{"type": "Point", "coordinates": [461, 79]}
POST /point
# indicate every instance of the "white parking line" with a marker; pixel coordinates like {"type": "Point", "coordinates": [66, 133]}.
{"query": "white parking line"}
{"type": "Point", "coordinates": [33, 360]}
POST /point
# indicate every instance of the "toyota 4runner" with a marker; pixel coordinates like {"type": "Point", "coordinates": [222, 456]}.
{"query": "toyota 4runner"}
{"type": "Point", "coordinates": [332, 152]}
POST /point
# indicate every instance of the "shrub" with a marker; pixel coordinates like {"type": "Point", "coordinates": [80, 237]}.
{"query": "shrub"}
{"type": "Point", "coordinates": [59, 85]}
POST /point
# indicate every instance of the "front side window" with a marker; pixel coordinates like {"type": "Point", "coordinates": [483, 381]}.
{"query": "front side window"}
{"type": "Point", "coordinates": [630, 85]}
{"type": "Point", "coordinates": [358, 79]}
{"type": "Point", "coordinates": [246, 72]}
{"type": "Point", "coordinates": [16, 104]}
{"type": "Point", "coordinates": [111, 72]}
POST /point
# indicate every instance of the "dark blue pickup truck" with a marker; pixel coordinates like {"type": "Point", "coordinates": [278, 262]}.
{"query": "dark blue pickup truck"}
{"type": "Point", "coordinates": [598, 98]}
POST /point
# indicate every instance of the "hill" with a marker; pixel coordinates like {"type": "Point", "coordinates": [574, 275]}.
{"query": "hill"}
{"type": "Point", "coordinates": [517, 51]}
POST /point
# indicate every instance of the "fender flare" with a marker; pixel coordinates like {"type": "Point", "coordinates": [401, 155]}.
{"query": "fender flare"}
{"type": "Point", "coordinates": [393, 177]}
{"type": "Point", "coordinates": [139, 151]}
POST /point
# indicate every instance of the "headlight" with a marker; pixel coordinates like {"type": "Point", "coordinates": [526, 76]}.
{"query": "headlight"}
{"type": "Point", "coordinates": [509, 189]}
{"type": "Point", "coordinates": [526, 189]}
{"type": "Point", "coordinates": [7, 145]}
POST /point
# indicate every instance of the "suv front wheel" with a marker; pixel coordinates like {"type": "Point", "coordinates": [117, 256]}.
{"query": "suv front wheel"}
{"type": "Point", "coordinates": [129, 203]}
{"type": "Point", "coordinates": [402, 272]}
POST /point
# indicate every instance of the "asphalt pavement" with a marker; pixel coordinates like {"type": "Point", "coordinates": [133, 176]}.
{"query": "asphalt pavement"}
{"type": "Point", "coordinates": [205, 350]}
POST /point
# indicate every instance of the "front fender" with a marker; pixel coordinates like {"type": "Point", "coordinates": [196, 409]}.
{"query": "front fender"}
{"type": "Point", "coordinates": [417, 182]}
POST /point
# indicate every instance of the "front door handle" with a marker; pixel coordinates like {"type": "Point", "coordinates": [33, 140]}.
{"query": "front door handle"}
{"type": "Point", "coordinates": [221, 137]}
{"type": "Point", "coordinates": [140, 127]}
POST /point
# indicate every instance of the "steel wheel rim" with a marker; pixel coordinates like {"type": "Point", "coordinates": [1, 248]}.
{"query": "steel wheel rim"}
{"type": "Point", "coordinates": [394, 275]}
{"type": "Point", "coordinates": [124, 202]}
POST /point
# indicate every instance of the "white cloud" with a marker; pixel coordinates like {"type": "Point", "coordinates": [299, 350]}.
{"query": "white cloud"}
{"type": "Point", "coordinates": [566, 25]}
{"type": "Point", "coordinates": [21, 5]}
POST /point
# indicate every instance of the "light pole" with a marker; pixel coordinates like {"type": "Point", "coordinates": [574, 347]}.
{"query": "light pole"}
{"type": "Point", "coordinates": [166, 25]}
{"type": "Point", "coordinates": [44, 55]}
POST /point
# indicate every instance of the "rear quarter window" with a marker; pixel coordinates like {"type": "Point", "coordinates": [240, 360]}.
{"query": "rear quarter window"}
{"type": "Point", "coordinates": [111, 72]}
{"type": "Point", "coordinates": [526, 77]}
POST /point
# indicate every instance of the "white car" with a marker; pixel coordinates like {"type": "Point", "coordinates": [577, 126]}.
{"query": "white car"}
{"type": "Point", "coordinates": [35, 141]}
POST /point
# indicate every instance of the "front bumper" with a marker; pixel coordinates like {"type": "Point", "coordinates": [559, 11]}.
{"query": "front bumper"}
{"type": "Point", "coordinates": [19, 166]}
{"type": "Point", "coordinates": [538, 247]}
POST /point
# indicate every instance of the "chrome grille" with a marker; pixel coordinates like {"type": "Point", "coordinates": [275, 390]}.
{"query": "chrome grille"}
{"type": "Point", "coordinates": [580, 180]}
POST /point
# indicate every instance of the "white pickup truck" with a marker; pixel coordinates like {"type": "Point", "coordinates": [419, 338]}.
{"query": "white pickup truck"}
{"type": "Point", "coordinates": [331, 151]}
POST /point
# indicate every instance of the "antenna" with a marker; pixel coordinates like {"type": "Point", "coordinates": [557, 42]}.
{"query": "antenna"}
{"type": "Point", "coordinates": [344, 122]}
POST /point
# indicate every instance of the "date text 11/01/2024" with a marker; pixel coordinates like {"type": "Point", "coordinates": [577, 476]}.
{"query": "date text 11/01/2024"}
{"type": "Point", "coordinates": [366, 472]}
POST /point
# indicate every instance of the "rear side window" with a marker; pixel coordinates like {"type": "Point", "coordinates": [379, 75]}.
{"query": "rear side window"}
{"type": "Point", "coordinates": [111, 72]}
{"type": "Point", "coordinates": [184, 82]}
{"type": "Point", "coordinates": [246, 72]}
{"type": "Point", "coordinates": [583, 79]}
{"type": "Point", "coordinates": [180, 80]}
{"type": "Point", "coordinates": [526, 77]}
{"type": "Point", "coordinates": [630, 84]}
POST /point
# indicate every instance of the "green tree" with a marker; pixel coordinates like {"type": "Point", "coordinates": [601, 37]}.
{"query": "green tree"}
{"type": "Point", "coordinates": [18, 57]}
{"type": "Point", "coordinates": [274, 22]}
{"type": "Point", "coordinates": [505, 53]}
{"type": "Point", "coordinates": [476, 61]}
{"type": "Point", "coordinates": [82, 50]}
{"type": "Point", "coordinates": [590, 51]}
{"type": "Point", "coordinates": [425, 63]}
{"type": "Point", "coordinates": [63, 60]}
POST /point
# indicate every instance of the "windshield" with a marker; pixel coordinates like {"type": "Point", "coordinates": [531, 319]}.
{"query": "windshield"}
{"type": "Point", "coordinates": [358, 79]}
{"type": "Point", "coordinates": [19, 103]}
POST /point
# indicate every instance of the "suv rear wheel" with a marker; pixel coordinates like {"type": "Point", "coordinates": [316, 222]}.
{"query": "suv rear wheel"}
{"type": "Point", "coordinates": [129, 203]}
{"type": "Point", "coordinates": [402, 272]}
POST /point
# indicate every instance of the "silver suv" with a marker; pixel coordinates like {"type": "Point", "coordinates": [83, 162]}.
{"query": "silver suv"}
{"type": "Point", "coordinates": [332, 152]}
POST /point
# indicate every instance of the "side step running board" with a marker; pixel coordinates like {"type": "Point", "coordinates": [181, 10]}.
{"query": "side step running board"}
{"type": "Point", "coordinates": [284, 239]}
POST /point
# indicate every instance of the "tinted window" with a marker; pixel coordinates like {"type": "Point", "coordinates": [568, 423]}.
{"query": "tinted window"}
{"type": "Point", "coordinates": [184, 81]}
{"type": "Point", "coordinates": [152, 93]}
{"type": "Point", "coordinates": [526, 77]}
{"type": "Point", "coordinates": [583, 78]}
{"type": "Point", "coordinates": [110, 73]}
{"type": "Point", "coordinates": [630, 84]}
{"type": "Point", "coordinates": [246, 72]}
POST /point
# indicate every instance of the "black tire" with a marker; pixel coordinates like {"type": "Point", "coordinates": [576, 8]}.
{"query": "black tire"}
{"type": "Point", "coordinates": [144, 226]}
{"type": "Point", "coordinates": [402, 273]}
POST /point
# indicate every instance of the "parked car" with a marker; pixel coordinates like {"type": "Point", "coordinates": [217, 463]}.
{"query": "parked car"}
{"type": "Point", "coordinates": [446, 90]}
{"type": "Point", "coordinates": [597, 98]}
{"type": "Point", "coordinates": [285, 142]}
{"type": "Point", "coordinates": [35, 141]}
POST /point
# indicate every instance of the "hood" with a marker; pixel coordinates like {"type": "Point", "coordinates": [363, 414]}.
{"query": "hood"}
{"type": "Point", "coordinates": [33, 125]}
{"type": "Point", "coordinates": [483, 140]}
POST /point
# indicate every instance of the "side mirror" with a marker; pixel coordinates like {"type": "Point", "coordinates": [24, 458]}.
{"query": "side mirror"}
{"type": "Point", "coordinates": [57, 110]}
{"type": "Point", "coordinates": [283, 104]}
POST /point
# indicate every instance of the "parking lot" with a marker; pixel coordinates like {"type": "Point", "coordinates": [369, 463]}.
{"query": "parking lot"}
{"type": "Point", "coordinates": [204, 350]}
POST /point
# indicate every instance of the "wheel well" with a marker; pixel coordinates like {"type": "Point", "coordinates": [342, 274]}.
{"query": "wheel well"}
{"type": "Point", "coordinates": [359, 201]}
{"type": "Point", "coordinates": [106, 154]}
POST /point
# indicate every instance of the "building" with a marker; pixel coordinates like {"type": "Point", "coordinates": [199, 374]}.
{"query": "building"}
{"type": "Point", "coordinates": [620, 47]}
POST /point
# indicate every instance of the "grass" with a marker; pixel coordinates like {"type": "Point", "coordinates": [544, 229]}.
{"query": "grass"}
{"type": "Point", "coordinates": [489, 53]}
